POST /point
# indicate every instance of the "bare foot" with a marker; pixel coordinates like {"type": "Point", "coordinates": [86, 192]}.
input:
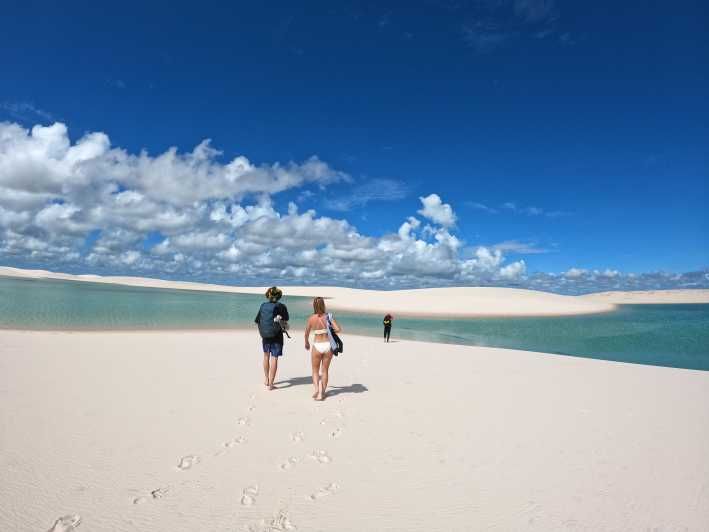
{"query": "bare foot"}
{"type": "Point", "coordinates": [271, 387]}
{"type": "Point", "coordinates": [315, 394]}
{"type": "Point", "coordinates": [319, 397]}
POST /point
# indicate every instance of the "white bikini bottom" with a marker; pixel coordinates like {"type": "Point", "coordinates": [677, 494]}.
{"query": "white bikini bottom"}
{"type": "Point", "coordinates": [322, 347]}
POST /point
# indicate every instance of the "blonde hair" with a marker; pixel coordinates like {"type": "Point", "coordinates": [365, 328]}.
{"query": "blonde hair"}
{"type": "Point", "coordinates": [319, 305]}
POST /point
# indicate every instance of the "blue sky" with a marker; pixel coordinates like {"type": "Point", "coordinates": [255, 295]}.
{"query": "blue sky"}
{"type": "Point", "coordinates": [569, 136]}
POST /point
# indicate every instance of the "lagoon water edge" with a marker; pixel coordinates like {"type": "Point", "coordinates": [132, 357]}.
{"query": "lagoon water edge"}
{"type": "Point", "coordinates": [665, 335]}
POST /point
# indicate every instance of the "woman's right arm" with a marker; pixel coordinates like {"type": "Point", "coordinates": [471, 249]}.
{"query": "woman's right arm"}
{"type": "Point", "coordinates": [335, 325]}
{"type": "Point", "coordinates": [307, 334]}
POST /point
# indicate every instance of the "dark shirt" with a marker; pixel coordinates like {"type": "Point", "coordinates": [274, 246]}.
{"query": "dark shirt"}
{"type": "Point", "coordinates": [282, 311]}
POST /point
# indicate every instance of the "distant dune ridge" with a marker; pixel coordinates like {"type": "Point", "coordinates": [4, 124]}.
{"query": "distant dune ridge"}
{"type": "Point", "coordinates": [647, 297]}
{"type": "Point", "coordinates": [432, 302]}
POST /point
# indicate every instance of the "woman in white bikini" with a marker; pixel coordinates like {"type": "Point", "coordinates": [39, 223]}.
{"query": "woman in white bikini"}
{"type": "Point", "coordinates": [321, 354]}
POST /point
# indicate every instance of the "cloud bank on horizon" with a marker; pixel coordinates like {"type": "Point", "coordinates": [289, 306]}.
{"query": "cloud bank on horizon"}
{"type": "Point", "coordinates": [89, 206]}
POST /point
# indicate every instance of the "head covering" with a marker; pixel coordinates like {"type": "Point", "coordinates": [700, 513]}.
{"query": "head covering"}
{"type": "Point", "coordinates": [274, 293]}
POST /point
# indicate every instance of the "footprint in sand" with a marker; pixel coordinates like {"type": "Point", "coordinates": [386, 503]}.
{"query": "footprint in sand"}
{"type": "Point", "coordinates": [336, 434]}
{"type": "Point", "coordinates": [324, 492]}
{"type": "Point", "coordinates": [66, 523]}
{"type": "Point", "coordinates": [288, 464]}
{"type": "Point", "coordinates": [235, 441]}
{"type": "Point", "coordinates": [229, 444]}
{"type": "Point", "coordinates": [158, 493]}
{"type": "Point", "coordinates": [248, 496]}
{"type": "Point", "coordinates": [187, 462]}
{"type": "Point", "coordinates": [277, 523]}
{"type": "Point", "coordinates": [252, 408]}
{"type": "Point", "coordinates": [155, 494]}
{"type": "Point", "coordinates": [243, 421]}
{"type": "Point", "coordinates": [321, 456]}
{"type": "Point", "coordinates": [297, 437]}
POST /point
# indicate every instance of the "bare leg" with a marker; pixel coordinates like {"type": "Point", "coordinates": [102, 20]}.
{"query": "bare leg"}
{"type": "Point", "coordinates": [315, 359]}
{"type": "Point", "coordinates": [266, 357]}
{"type": "Point", "coordinates": [326, 359]}
{"type": "Point", "coordinates": [272, 373]}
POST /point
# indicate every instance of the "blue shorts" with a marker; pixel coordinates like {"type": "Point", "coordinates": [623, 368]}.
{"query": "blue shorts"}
{"type": "Point", "coordinates": [275, 349]}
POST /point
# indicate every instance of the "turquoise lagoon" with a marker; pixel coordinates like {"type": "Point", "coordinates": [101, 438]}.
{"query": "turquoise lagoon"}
{"type": "Point", "coordinates": [663, 335]}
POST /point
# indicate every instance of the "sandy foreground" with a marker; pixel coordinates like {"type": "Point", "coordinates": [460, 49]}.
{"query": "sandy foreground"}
{"type": "Point", "coordinates": [173, 431]}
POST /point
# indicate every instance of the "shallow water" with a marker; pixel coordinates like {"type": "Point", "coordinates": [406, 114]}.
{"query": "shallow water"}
{"type": "Point", "coordinates": [661, 335]}
{"type": "Point", "coordinates": [664, 335]}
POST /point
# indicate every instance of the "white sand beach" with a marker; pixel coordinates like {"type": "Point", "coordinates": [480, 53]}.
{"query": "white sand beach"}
{"type": "Point", "coordinates": [173, 431]}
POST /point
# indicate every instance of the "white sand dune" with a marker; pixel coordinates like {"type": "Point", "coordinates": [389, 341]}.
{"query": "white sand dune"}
{"type": "Point", "coordinates": [434, 302]}
{"type": "Point", "coordinates": [652, 297]}
{"type": "Point", "coordinates": [173, 431]}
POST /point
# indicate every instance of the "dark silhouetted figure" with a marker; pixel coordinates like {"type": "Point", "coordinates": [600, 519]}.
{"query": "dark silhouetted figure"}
{"type": "Point", "coordinates": [387, 326]}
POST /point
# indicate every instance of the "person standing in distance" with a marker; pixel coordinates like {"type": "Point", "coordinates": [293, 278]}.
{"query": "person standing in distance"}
{"type": "Point", "coordinates": [271, 333]}
{"type": "Point", "coordinates": [387, 326]}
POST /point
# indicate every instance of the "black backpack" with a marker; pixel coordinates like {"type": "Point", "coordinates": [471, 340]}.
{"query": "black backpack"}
{"type": "Point", "coordinates": [266, 326]}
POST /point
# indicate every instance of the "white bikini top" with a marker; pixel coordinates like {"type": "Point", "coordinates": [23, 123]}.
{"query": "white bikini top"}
{"type": "Point", "coordinates": [319, 331]}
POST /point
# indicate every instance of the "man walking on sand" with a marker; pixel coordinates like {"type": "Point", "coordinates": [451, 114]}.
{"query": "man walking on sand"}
{"type": "Point", "coordinates": [269, 319]}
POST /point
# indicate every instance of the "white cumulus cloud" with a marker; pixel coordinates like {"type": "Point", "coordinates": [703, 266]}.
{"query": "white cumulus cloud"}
{"type": "Point", "coordinates": [435, 210]}
{"type": "Point", "coordinates": [86, 205]}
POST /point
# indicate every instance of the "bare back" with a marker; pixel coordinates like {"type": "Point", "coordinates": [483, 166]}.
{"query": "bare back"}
{"type": "Point", "coordinates": [317, 323]}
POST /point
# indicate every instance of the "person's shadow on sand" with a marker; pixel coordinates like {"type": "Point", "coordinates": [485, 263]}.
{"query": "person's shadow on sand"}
{"type": "Point", "coordinates": [295, 381]}
{"type": "Point", "coordinates": [352, 388]}
{"type": "Point", "coordinates": [331, 390]}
